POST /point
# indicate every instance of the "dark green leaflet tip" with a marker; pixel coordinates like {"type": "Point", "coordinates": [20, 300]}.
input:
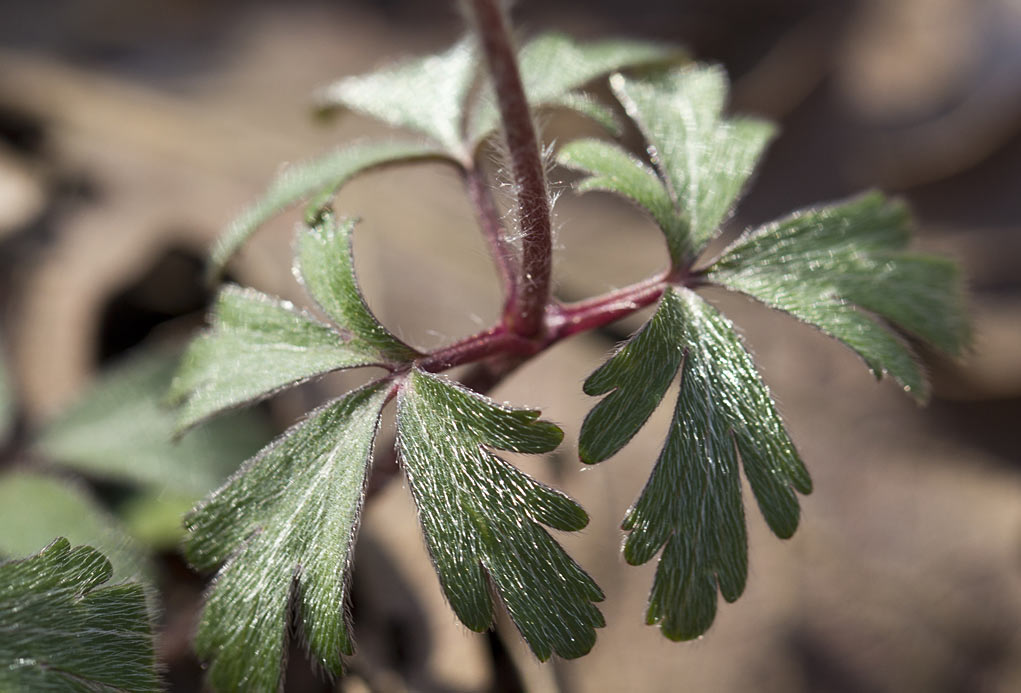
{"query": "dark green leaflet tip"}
{"type": "Point", "coordinates": [324, 262]}
{"type": "Point", "coordinates": [841, 267]}
{"type": "Point", "coordinates": [63, 629]}
{"type": "Point", "coordinates": [481, 516]}
{"type": "Point", "coordinates": [256, 346]}
{"type": "Point", "coordinates": [282, 529]}
{"type": "Point", "coordinates": [724, 419]}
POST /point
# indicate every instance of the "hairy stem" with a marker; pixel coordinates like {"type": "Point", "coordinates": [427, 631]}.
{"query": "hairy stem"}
{"type": "Point", "coordinates": [492, 228]}
{"type": "Point", "coordinates": [526, 315]}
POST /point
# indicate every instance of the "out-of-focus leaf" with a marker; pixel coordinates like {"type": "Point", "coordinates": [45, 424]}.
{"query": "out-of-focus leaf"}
{"type": "Point", "coordinates": [121, 431]}
{"type": "Point", "coordinates": [703, 158]}
{"type": "Point", "coordinates": [554, 65]}
{"type": "Point", "coordinates": [426, 95]}
{"type": "Point", "coordinates": [153, 516]}
{"type": "Point", "coordinates": [612, 169]}
{"type": "Point", "coordinates": [691, 506]}
{"type": "Point", "coordinates": [481, 516]}
{"type": "Point", "coordinates": [283, 528]}
{"type": "Point", "coordinates": [62, 630]}
{"type": "Point", "coordinates": [319, 178]}
{"type": "Point", "coordinates": [35, 509]}
{"type": "Point", "coordinates": [6, 397]}
{"type": "Point", "coordinates": [257, 345]}
{"type": "Point", "coordinates": [824, 265]}
{"type": "Point", "coordinates": [326, 267]}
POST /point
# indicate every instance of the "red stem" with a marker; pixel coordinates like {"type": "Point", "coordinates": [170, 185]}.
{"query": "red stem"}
{"type": "Point", "coordinates": [570, 319]}
{"type": "Point", "coordinates": [526, 315]}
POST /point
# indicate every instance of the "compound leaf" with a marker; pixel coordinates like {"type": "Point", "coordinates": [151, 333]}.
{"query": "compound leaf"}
{"type": "Point", "coordinates": [426, 95]}
{"type": "Point", "coordinates": [326, 267]}
{"type": "Point", "coordinates": [62, 630]}
{"type": "Point", "coordinates": [824, 265]}
{"type": "Point", "coordinates": [319, 178]}
{"type": "Point", "coordinates": [704, 159]}
{"type": "Point", "coordinates": [120, 430]}
{"type": "Point", "coordinates": [691, 506]}
{"type": "Point", "coordinates": [283, 528]}
{"type": "Point", "coordinates": [35, 508]}
{"type": "Point", "coordinates": [481, 516]}
{"type": "Point", "coordinates": [257, 345]}
{"type": "Point", "coordinates": [554, 65]}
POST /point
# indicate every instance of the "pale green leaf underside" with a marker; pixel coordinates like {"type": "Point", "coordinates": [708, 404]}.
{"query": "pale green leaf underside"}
{"type": "Point", "coordinates": [704, 159]}
{"type": "Point", "coordinates": [120, 430]}
{"type": "Point", "coordinates": [553, 65]}
{"type": "Point", "coordinates": [611, 169]}
{"type": "Point", "coordinates": [319, 178]}
{"type": "Point", "coordinates": [61, 630]}
{"type": "Point", "coordinates": [691, 506]}
{"type": "Point", "coordinates": [588, 106]}
{"type": "Point", "coordinates": [283, 527]}
{"type": "Point", "coordinates": [257, 345]}
{"type": "Point", "coordinates": [482, 516]}
{"type": "Point", "coordinates": [35, 509]}
{"type": "Point", "coordinates": [824, 265]}
{"type": "Point", "coordinates": [426, 95]}
{"type": "Point", "coordinates": [325, 264]}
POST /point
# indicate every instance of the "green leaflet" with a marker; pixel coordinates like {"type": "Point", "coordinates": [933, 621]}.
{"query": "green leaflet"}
{"type": "Point", "coordinates": [612, 169]}
{"type": "Point", "coordinates": [394, 95]}
{"type": "Point", "coordinates": [318, 178]}
{"type": "Point", "coordinates": [554, 65]}
{"type": "Point", "coordinates": [283, 528]}
{"type": "Point", "coordinates": [121, 431]}
{"type": "Point", "coordinates": [35, 508]}
{"type": "Point", "coordinates": [257, 346]}
{"type": "Point", "coordinates": [61, 630]}
{"type": "Point", "coordinates": [703, 159]}
{"type": "Point", "coordinates": [426, 95]}
{"type": "Point", "coordinates": [481, 516]}
{"type": "Point", "coordinates": [820, 264]}
{"type": "Point", "coordinates": [691, 506]}
{"type": "Point", "coordinates": [325, 265]}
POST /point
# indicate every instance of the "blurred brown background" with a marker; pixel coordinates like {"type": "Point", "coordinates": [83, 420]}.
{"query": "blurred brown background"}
{"type": "Point", "coordinates": [131, 131]}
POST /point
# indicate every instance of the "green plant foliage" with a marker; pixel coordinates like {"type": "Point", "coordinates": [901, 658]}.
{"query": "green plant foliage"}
{"type": "Point", "coordinates": [325, 265]}
{"type": "Point", "coordinates": [703, 159]}
{"type": "Point", "coordinates": [319, 178]}
{"type": "Point", "coordinates": [34, 509]}
{"type": "Point", "coordinates": [692, 502]}
{"type": "Point", "coordinates": [120, 430]}
{"type": "Point", "coordinates": [283, 529]}
{"type": "Point", "coordinates": [481, 516]}
{"type": "Point", "coordinates": [257, 346]}
{"type": "Point", "coordinates": [553, 66]}
{"type": "Point", "coordinates": [820, 264]}
{"type": "Point", "coordinates": [394, 95]}
{"type": "Point", "coordinates": [830, 267]}
{"type": "Point", "coordinates": [62, 630]}
{"type": "Point", "coordinates": [612, 169]}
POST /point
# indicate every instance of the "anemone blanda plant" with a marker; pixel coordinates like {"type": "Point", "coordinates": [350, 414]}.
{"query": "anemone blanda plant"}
{"type": "Point", "coordinates": [280, 531]}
